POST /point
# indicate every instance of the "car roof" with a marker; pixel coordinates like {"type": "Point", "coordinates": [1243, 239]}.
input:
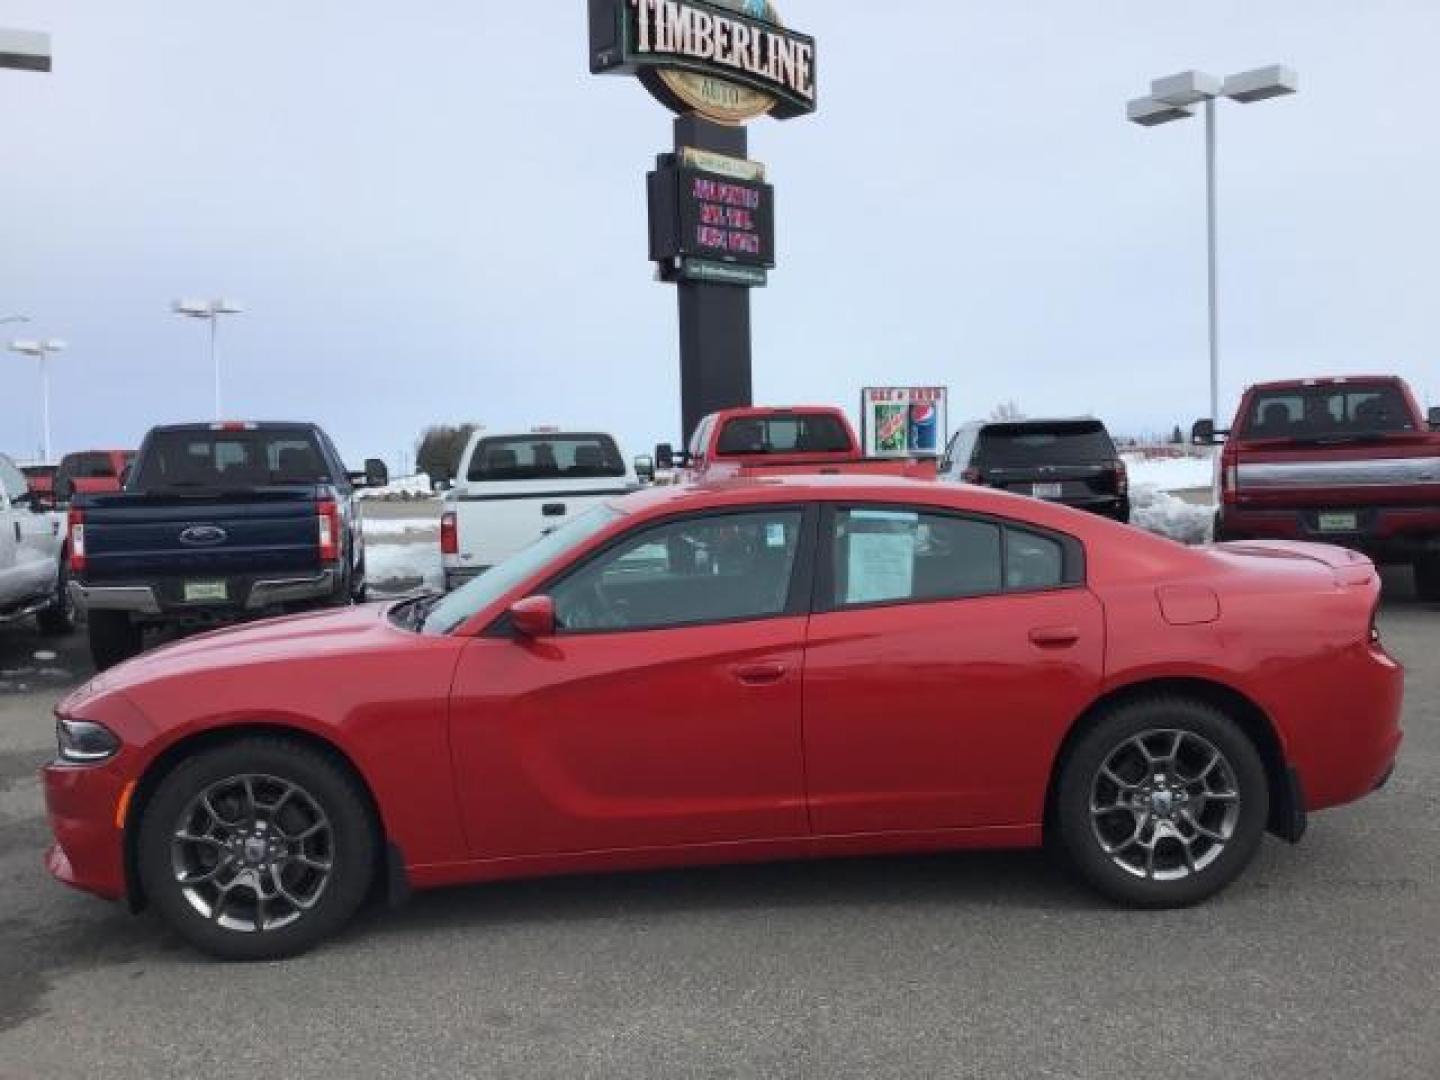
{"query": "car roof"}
{"type": "Point", "coordinates": [240, 425]}
{"type": "Point", "coordinates": [1328, 380]}
{"type": "Point", "coordinates": [842, 487]}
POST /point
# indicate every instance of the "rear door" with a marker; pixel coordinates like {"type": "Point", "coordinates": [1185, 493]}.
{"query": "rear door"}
{"type": "Point", "coordinates": [946, 659]}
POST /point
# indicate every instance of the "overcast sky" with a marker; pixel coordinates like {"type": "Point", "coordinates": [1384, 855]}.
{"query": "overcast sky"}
{"type": "Point", "coordinates": [434, 213]}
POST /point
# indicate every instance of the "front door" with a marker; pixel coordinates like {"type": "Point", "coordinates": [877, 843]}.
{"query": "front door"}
{"type": "Point", "coordinates": [665, 711]}
{"type": "Point", "coordinates": [947, 657]}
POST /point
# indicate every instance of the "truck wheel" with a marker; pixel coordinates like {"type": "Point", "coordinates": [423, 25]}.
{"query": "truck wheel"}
{"type": "Point", "coordinates": [59, 617]}
{"type": "Point", "coordinates": [1427, 577]}
{"type": "Point", "coordinates": [358, 589]}
{"type": "Point", "coordinates": [114, 638]}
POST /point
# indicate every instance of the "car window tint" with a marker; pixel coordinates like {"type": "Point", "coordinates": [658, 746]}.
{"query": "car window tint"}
{"type": "Point", "coordinates": [1320, 411]}
{"type": "Point", "coordinates": [888, 556]}
{"type": "Point", "coordinates": [1030, 443]}
{"type": "Point", "coordinates": [700, 570]}
{"type": "Point", "coordinates": [1033, 561]}
{"type": "Point", "coordinates": [544, 457]}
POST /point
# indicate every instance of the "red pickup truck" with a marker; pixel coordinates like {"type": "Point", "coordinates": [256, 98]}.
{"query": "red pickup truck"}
{"type": "Point", "coordinates": [1347, 461]}
{"type": "Point", "coordinates": [765, 442]}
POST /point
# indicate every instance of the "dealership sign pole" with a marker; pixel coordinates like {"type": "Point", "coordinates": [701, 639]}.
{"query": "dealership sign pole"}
{"type": "Point", "coordinates": [717, 65]}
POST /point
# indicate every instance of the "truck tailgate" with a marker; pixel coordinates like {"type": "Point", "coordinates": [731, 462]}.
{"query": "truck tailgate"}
{"type": "Point", "coordinates": [133, 535]}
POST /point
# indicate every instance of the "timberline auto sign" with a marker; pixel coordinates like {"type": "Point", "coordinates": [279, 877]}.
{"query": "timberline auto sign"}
{"type": "Point", "coordinates": [729, 60]}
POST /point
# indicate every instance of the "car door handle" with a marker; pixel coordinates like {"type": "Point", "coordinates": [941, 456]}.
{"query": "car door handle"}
{"type": "Point", "coordinates": [1055, 637]}
{"type": "Point", "coordinates": [758, 674]}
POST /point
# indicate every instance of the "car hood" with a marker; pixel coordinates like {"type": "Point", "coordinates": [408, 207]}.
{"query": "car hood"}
{"type": "Point", "coordinates": [293, 638]}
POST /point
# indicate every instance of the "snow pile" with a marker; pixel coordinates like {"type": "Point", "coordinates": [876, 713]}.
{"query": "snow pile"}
{"type": "Point", "coordinates": [391, 569]}
{"type": "Point", "coordinates": [402, 530]}
{"type": "Point", "coordinates": [1160, 512]}
{"type": "Point", "coordinates": [401, 487]}
{"type": "Point", "coordinates": [1170, 473]}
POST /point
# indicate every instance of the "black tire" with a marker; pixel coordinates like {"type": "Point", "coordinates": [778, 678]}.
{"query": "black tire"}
{"type": "Point", "coordinates": [1427, 578]}
{"type": "Point", "coordinates": [350, 848]}
{"type": "Point", "coordinates": [59, 618]}
{"type": "Point", "coordinates": [114, 638]}
{"type": "Point", "coordinates": [359, 590]}
{"type": "Point", "coordinates": [1178, 872]}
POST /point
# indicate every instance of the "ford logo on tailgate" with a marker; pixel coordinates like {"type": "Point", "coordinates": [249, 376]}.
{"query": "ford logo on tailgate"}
{"type": "Point", "coordinates": [203, 536]}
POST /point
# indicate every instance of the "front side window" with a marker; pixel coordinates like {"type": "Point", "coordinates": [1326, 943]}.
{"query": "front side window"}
{"type": "Point", "coordinates": [720, 568]}
{"type": "Point", "coordinates": [890, 556]}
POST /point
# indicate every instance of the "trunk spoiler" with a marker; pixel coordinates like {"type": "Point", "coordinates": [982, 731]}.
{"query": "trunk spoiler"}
{"type": "Point", "coordinates": [1350, 567]}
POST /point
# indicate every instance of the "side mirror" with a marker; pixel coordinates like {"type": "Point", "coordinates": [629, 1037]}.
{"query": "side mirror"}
{"type": "Point", "coordinates": [645, 468]}
{"type": "Point", "coordinates": [1203, 433]}
{"type": "Point", "coordinates": [533, 617]}
{"type": "Point", "coordinates": [1435, 418]}
{"type": "Point", "coordinates": [665, 456]}
{"type": "Point", "coordinates": [376, 474]}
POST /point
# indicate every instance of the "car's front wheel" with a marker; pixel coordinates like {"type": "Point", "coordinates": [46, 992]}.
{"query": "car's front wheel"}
{"type": "Point", "coordinates": [1162, 803]}
{"type": "Point", "coordinates": [257, 849]}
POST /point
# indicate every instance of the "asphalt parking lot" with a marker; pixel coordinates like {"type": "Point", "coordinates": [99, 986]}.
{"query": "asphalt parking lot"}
{"type": "Point", "coordinates": [1323, 961]}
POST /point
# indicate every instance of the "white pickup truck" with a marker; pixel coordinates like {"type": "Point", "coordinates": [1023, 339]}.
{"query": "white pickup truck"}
{"type": "Point", "coordinates": [510, 490]}
{"type": "Point", "coordinates": [31, 573]}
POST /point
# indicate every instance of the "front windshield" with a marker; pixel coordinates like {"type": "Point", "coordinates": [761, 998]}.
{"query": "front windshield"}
{"type": "Point", "coordinates": [461, 605]}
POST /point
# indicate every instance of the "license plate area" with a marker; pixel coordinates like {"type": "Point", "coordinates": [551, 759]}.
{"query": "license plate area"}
{"type": "Point", "coordinates": [1047, 491]}
{"type": "Point", "coordinates": [1339, 523]}
{"type": "Point", "coordinates": [206, 592]}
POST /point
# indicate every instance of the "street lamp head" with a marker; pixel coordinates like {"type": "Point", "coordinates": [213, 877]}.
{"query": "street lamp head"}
{"type": "Point", "coordinates": [1261, 84]}
{"type": "Point", "coordinates": [24, 50]}
{"type": "Point", "coordinates": [227, 307]}
{"type": "Point", "coordinates": [53, 345]}
{"type": "Point", "coordinates": [1148, 112]}
{"type": "Point", "coordinates": [27, 348]}
{"type": "Point", "coordinates": [195, 309]}
{"type": "Point", "coordinates": [1186, 88]}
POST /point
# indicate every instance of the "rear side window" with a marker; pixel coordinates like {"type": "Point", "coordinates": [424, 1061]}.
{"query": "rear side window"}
{"type": "Point", "coordinates": [1327, 411]}
{"type": "Point", "coordinates": [220, 459]}
{"type": "Point", "coordinates": [546, 457]}
{"type": "Point", "coordinates": [888, 556]}
{"type": "Point", "coordinates": [820, 433]}
{"type": "Point", "coordinates": [1034, 444]}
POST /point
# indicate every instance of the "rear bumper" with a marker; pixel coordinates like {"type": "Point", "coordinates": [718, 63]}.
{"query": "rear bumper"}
{"type": "Point", "coordinates": [1386, 534]}
{"type": "Point", "coordinates": [146, 600]}
{"type": "Point", "coordinates": [455, 576]}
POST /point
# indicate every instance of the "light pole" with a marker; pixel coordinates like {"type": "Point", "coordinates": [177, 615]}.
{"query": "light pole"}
{"type": "Point", "coordinates": [14, 319]}
{"type": "Point", "coordinates": [41, 350]}
{"type": "Point", "coordinates": [1175, 98]}
{"type": "Point", "coordinates": [210, 310]}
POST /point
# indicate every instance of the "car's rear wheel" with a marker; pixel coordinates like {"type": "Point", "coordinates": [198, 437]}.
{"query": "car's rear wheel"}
{"type": "Point", "coordinates": [257, 849]}
{"type": "Point", "coordinates": [1427, 577]}
{"type": "Point", "coordinates": [114, 637]}
{"type": "Point", "coordinates": [1162, 803]}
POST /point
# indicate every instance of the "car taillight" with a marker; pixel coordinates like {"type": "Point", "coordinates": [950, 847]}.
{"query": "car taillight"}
{"type": "Point", "coordinates": [1229, 482]}
{"type": "Point", "coordinates": [449, 534]}
{"type": "Point", "coordinates": [328, 522]}
{"type": "Point", "coordinates": [1122, 478]}
{"type": "Point", "coordinates": [972, 476]}
{"type": "Point", "coordinates": [76, 525]}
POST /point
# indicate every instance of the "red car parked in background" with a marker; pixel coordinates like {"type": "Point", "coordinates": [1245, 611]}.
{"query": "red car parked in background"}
{"type": "Point", "coordinates": [88, 472]}
{"type": "Point", "coordinates": [799, 667]}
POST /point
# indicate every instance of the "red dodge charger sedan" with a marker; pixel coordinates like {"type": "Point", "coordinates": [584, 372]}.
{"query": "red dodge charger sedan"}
{"type": "Point", "coordinates": [746, 670]}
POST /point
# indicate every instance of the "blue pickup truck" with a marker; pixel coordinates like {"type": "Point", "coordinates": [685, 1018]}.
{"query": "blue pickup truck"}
{"type": "Point", "coordinates": [217, 523]}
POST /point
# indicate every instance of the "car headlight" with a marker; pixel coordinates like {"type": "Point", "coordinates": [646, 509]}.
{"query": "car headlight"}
{"type": "Point", "coordinates": [83, 742]}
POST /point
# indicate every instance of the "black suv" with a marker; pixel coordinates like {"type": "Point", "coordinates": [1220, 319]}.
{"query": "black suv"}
{"type": "Point", "coordinates": [1066, 461]}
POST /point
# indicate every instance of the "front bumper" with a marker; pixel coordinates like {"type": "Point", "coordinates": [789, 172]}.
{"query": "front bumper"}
{"type": "Point", "coordinates": [89, 848]}
{"type": "Point", "coordinates": [148, 601]}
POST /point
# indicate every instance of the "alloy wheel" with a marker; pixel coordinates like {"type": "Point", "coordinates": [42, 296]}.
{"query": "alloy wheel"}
{"type": "Point", "coordinates": [253, 853]}
{"type": "Point", "coordinates": [1164, 804]}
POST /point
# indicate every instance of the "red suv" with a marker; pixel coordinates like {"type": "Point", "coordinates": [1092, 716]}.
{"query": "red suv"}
{"type": "Point", "coordinates": [1347, 461]}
